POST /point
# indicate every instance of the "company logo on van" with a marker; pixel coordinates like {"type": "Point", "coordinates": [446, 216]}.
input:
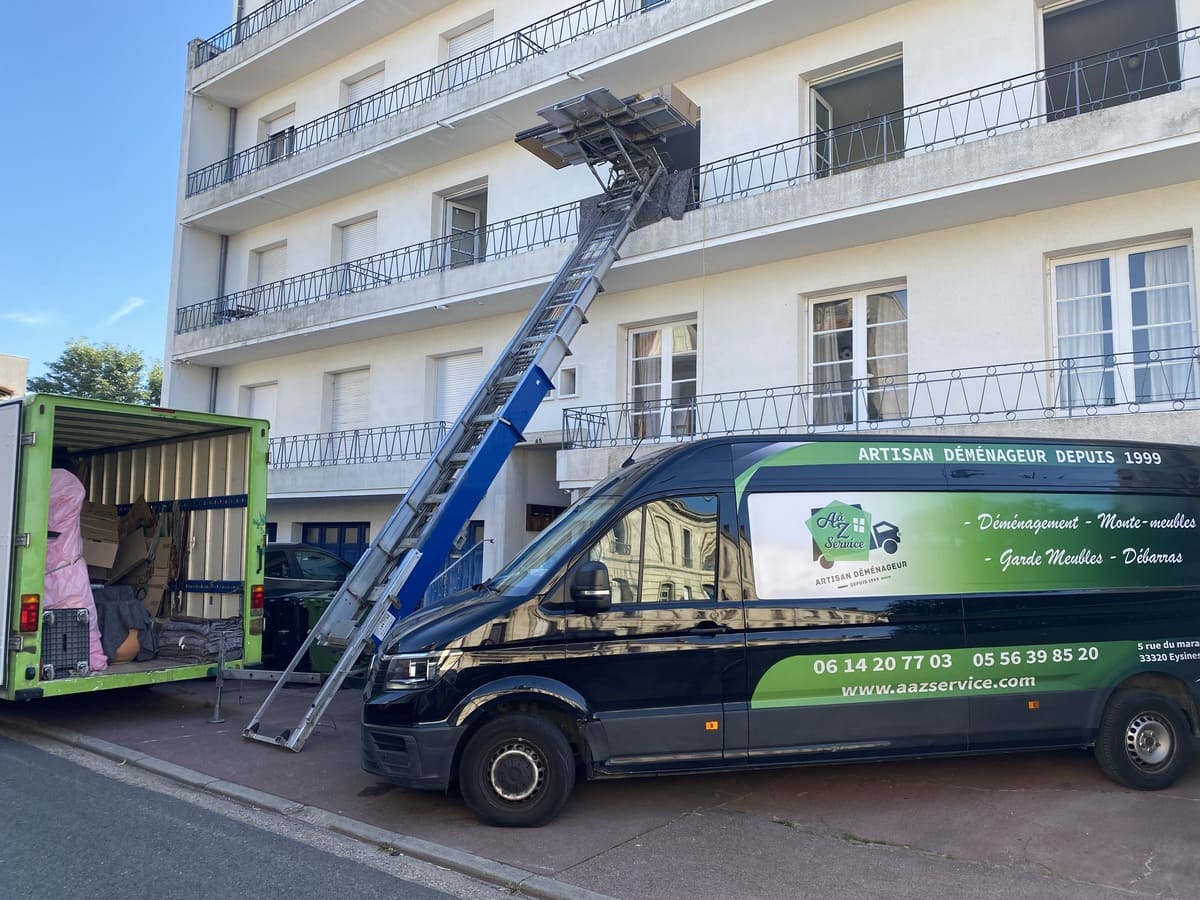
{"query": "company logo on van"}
{"type": "Point", "coordinates": [845, 532]}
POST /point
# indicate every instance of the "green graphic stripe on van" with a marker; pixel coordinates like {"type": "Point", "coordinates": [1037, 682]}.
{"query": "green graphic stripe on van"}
{"type": "Point", "coordinates": [839, 678]}
{"type": "Point", "coordinates": [826, 453]}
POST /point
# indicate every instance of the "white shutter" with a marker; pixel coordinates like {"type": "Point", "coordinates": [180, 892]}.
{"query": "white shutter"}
{"type": "Point", "coordinates": [358, 240]}
{"type": "Point", "coordinates": [261, 402]}
{"type": "Point", "coordinates": [281, 123]}
{"type": "Point", "coordinates": [271, 265]}
{"type": "Point", "coordinates": [349, 396]}
{"type": "Point", "coordinates": [469, 40]}
{"type": "Point", "coordinates": [457, 379]}
{"type": "Point", "coordinates": [364, 87]}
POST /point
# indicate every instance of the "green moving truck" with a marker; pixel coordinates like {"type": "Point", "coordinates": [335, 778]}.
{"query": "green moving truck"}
{"type": "Point", "coordinates": [173, 520]}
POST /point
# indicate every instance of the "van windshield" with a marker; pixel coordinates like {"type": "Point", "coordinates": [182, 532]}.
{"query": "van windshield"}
{"type": "Point", "coordinates": [549, 549]}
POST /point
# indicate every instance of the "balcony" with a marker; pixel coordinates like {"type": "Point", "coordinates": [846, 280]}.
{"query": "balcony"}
{"type": "Point", "coordinates": [779, 202]}
{"type": "Point", "coordinates": [392, 443]}
{"type": "Point", "coordinates": [399, 131]}
{"type": "Point", "coordinates": [368, 462]}
{"type": "Point", "coordinates": [245, 28]}
{"type": "Point", "coordinates": [1121, 75]}
{"type": "Point", "coordinates": [533, 40]}
{"type": "Point", "coordinates": [1071, 389]}
{"type": "Point", "coordinates": [285, 40]}
{"type": "Point", "coordinates": [495, 241]}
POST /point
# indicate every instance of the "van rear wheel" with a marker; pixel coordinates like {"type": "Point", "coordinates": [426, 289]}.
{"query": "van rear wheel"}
{"type": "Point", "coordinates": [1144, 741]}
{"type": "Point", "coordinates": [517, 770]}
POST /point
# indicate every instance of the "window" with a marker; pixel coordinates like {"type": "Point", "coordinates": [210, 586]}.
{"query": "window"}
{"type": "Point", "coordinates": [354, 91]}
{"type": "Point", "coordinates": [268, 267]}
{"type": "Point", "coordinates": [641, 551]}
{"type": "Point", "coordinates": [464, 221]}
{"type": "Point", "coordinates": [464, 64]}
{"type": "Point", "coordinates": [357, 243]}
{"type": "Point", "coordinates": [280, 135]}
{"type": "Point", "coordinates": [349, 399]}
{"type": "Point", "coordinates": [457, 378]}
{"type": "Point", "coordinates": [1125, 326]}
{"type": "Point", "coordinates": [1097, 55]}
{"type": "Point", "coordinates": [855, 117]}
{"type": "Point", "coordinates": [258, 401]}
{"type": "Point", "coordinates": [860, 357]}
{"type": "Point", "coordinates": [662, 380]}
{"type": "Point", "coordinates": [568, 382]}
{"type": "Point", "coordinates": [346, 540]}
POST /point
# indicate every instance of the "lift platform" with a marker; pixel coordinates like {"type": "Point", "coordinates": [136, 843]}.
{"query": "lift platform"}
{"type": "Point", "coordinates": [596, 129]}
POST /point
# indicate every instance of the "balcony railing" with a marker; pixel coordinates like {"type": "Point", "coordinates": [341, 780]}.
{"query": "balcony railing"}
{"type": "Point", "coordinates": [1094, 83]}
{"type": "Point", "coordinates": [244, 28]}
{"type": "Point", "coordinates": [460, 574]}
{"type": "Point", "coordinates": [1124, 74]}
{"type": "Point", "coordinates": [391, 443]}
{"type": "Point", "coordinates": [499, 239]}
{"type": "Point", "coordinates": [533, 40]}
{"type": "Point", "coordinates": [1080, 387]}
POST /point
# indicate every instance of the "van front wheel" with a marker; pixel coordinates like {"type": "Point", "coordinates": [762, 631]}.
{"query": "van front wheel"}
{"type": "Point", "coordinates": [516, 770]}
{"type": "Point", "coordinates": [1144, 741]}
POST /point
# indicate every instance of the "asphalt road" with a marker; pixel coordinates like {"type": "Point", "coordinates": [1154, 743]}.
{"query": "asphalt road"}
{"type": "Point", "coordinates": [72, 831]}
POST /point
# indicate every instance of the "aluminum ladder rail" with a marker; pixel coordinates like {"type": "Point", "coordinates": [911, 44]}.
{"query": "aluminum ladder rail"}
{"type": "Point", "coordinates": [391, 577]}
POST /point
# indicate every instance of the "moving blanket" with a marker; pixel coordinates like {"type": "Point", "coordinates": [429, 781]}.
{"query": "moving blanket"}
{"type": "Point", "coordinates": [199, 640]}
{"type": "Point", "coordinates": [67, 585]}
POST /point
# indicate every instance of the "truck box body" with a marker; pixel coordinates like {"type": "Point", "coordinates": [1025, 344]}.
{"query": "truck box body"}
{"type": "Point", "coordinates": [189, 492]}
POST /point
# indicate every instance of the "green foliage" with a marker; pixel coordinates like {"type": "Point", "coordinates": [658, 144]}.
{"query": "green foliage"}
{"type": "Point", "coordinates": [101, 372]}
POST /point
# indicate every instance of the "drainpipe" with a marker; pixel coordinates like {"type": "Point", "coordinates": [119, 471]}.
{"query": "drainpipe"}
{"type": "Point", "coordinates": [222, 259]}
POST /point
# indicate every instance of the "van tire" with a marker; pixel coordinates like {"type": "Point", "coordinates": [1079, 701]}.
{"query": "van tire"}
{"type": "Point", "coordinates": [517, 770]}
{"type": "Point", "coordinates": [1144, 741]}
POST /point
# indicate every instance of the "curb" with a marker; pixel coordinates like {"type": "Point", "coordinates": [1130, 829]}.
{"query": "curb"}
{"type": "Point", "coordinates": [509, 878]}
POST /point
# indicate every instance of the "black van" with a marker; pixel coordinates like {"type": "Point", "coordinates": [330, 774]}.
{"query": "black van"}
{"type": "Point", "coordinates": [768, 601]}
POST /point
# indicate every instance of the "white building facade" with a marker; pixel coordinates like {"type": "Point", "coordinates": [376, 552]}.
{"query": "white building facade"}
{"type": "Point", "coordinates": [928, 216]}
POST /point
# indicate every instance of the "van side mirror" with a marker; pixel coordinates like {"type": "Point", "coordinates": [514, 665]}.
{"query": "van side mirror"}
{"type": "Point", "coordinates": [590, 588]}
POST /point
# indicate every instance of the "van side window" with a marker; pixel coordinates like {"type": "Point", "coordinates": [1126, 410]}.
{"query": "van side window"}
{"type": "Point", "coordinates": [663, 551]}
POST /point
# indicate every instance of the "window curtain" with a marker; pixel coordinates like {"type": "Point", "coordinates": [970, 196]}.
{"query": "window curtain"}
{"type": "Point", "coordinates": [833, 376]}
{"type": "Point", "coordinates": [1084, 310]}
{"type": "Point", "coordinates": [887, 355]}
{"type": "Point", "coordinates": [1164, 365]}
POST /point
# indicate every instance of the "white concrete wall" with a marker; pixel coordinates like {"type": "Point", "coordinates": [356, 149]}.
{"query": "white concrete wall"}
{"type": "Point", "coordinates": [977, 294]}
{"type": "Point", "coordinates": [403, 54]}
{"type": "Point", "coordinates": [408, 211]}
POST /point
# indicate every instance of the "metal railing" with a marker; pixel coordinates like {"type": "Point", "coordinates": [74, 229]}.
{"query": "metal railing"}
{"type": "Point", "coordinates": [1121, 75]}
{"type": "Point", "coordinates": [494, 241]}
{"type": "Point", "coordinates": [461, 574]}
{"type": "Point", "coordinates": [391, 443]}
{"type": "Point", "coordinates": [1092, 83]}
{"type": "Point", "coordinates": [503, 53]}
{"type": "Point", "coordinates": [244, 28]}
{"type": "Point", "coordinates": [1144, 381]}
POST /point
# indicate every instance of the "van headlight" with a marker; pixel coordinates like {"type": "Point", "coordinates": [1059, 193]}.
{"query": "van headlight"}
{"type": "Point", "coordinates": [403, 671]}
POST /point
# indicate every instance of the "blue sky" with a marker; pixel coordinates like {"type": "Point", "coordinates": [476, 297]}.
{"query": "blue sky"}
{"type": "Point", "coordinates": [92, 100]}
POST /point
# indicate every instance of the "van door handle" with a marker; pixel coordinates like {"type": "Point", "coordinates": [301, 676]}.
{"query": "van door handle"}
{"type": "Point", "coordinates": [708, 627]}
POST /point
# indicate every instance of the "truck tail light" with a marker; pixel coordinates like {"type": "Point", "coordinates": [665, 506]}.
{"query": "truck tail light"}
{"type": "Point", "coordinates": [30, 612]}
{"type": "Point", "coordinates": [256, 597]}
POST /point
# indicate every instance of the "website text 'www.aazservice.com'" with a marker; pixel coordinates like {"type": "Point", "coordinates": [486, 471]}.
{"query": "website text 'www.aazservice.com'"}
{"type": "Point", "coordinates": [956, 685]}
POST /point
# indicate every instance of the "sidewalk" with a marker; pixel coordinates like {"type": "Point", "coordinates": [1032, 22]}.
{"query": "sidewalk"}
{"type": "Point", "coordinates": [1044, 825]}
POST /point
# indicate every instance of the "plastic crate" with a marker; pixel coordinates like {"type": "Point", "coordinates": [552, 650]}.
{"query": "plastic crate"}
{"type": "Point", "coordinates": [64, 643]}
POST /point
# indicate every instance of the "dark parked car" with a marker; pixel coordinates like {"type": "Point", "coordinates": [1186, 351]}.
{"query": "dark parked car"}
{"type": "Point", "coordinates": [301, 567]}
{"type": "Point", "coordinates": [299, 581]}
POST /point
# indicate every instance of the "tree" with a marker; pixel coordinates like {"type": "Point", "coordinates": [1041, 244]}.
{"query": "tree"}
{"type": "Point", "coordinates": [101, 372]}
